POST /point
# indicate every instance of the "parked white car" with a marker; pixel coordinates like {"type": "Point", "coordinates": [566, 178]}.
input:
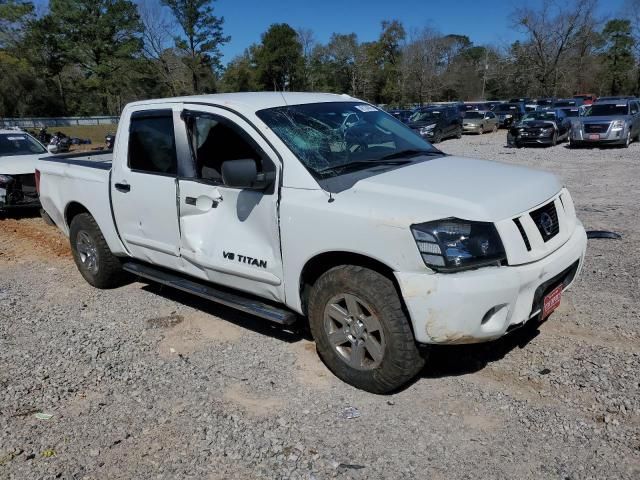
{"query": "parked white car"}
{"type": "Point", "coordinates": [18, 154]}
{"type": "Point", "coordinates": [268, 203]}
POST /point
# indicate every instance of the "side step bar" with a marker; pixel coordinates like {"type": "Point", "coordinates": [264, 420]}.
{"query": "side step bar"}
{"type": "Point", "coordinates": [246, 304]}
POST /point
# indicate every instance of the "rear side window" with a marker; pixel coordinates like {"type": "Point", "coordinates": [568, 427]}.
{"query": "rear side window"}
{"type": "Point", "coordinates": [152, 145]}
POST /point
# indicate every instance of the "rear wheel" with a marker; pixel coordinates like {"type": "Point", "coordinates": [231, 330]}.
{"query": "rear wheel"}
{"type": "Point", "coordinates": [361, 330]}
{"type": "Point", "coordinates": [92, 255]}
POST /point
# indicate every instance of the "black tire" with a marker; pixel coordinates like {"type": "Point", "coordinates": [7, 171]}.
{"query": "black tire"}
{"type": "Point", "coordinates": [437, 137]}
{"type": "Point", "coordinates": [481, 131]}
{"type": "Point", "coordinates": [459, 133]}
{"type": "Point", "coordinates": [627, 140]}
{"type": "Point", "coordinates": [108, 270]}
{"type": "Point", "coordinates": [554, 139]}
{"type": "Point", "coordinates": [400, 360]}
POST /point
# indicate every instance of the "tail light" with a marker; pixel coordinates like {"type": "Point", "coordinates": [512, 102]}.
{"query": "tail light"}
{"type": "Point", "coordinates": [38, 181]}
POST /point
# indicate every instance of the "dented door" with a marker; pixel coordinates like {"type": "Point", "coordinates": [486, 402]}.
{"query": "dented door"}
{"type": "Point", "coordinates": [229, 236]}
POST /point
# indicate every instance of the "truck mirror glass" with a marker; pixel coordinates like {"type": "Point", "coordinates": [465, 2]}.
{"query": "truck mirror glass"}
{"type": "Point", "coordinates": [243, 174]}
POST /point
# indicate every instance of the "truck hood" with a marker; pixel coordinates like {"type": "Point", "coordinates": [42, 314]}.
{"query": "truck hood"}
{"type": "Point", "coordinates": [455, 187]}
{"type": "Point", "coordinates": [19, 164]}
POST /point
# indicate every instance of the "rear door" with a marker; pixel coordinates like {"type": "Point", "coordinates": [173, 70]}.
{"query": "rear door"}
{"type": "Point", "coordinates": [143, 185]}
{"type": "Point", "coordinates": [229, 236]}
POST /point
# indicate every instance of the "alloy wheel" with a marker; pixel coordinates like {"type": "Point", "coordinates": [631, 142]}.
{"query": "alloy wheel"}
{"type": "Point", "coordinates": [354, 331]}
{"type": "Point", "coordinates": [88, 251]}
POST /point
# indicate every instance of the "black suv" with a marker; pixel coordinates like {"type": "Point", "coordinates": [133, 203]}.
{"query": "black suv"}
{"type": "Point", "coordinates": [435, 123]}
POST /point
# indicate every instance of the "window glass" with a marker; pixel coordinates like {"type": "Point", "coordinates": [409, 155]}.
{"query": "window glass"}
{"type": "Point", "coordinates": [215, 141]}
{"type": "Point", "coordinates": [634, 108]}
{"type": "Point", "coordinates": [328, 146]}
{"type": "Point", "coordinates": [19, 143]}
{"type": "Point", "coordinates": [152, 146]}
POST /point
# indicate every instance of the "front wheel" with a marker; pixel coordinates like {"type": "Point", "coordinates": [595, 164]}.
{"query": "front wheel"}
{"type": "Point", "coordinates": [481, 131]}
{"type": "Point", "coordinates": [361, 330]}
{"type": "Point", "coordinates": [459, 133]}
{"type": "Point", "coordinates": [627, 140]}
{"type": "Point", "coordinates": [554, 140]}
{"type": "Point", "coordinates": [92, 255]}
{"type": "Point", "coordinates": [495, 128]}
{"type": "Point", "coordinates": [437, 137]}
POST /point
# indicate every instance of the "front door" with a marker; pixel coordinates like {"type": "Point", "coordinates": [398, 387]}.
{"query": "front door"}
{"type": "Point", "coordinates": [229, 236]}
{"type": "Point", "coordinates": [143, 186]}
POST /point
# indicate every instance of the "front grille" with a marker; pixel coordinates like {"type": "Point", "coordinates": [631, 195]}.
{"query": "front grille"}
{"type": "Point", "coordinates": [525, 239]}
{"type": "Point", "coordinates": [546, 220]}
{"type": "Point", "coordinates": [596, 127]}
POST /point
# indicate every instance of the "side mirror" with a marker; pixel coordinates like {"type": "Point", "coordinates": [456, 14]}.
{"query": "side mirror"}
{"type": "Point", "coordinates": [244, 174]}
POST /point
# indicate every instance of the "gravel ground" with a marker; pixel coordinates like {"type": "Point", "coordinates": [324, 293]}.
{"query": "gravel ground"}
{"type": "Point", "coordinates": [144, 382]}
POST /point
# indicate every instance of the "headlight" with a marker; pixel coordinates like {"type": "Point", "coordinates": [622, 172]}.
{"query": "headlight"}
{"type": "Point", "coordinates": [508, 115]}
{"type": "Point", "coordinates": [617, 125]}
{"type": "Point", "coordinates": [452, 244]}
{"type": "Point", "coordinates": [427, 129]}
{"type": "Point", "coordinates": [5, 180]}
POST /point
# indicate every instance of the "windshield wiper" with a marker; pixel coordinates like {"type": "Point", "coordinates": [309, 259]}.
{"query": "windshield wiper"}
{"type": "Point", "coordinates": [357, 163]}
{"type": "Point", "coordinates": [408, 154]}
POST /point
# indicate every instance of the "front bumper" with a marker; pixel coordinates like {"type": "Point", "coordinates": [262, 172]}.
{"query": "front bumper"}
{"type": "Point", "coordinates": [531, 140]}
{"type": "Point", "coordinates": [610, 137]}
{"type": "Point", "coordinates": [484, 304]}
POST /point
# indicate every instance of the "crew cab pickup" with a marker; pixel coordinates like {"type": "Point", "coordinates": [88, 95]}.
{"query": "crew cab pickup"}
{"type": "Point", "coordinates": [322, 207]}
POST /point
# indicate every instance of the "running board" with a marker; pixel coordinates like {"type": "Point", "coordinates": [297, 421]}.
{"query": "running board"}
{"type": "Point", "coordinates": [246, 304]}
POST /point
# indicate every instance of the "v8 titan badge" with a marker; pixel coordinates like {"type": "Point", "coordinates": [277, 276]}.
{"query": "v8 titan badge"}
{"type": "Point", "coordinates": [552, 301]}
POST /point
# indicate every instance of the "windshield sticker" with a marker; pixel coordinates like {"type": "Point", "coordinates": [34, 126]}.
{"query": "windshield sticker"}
{"type": "Point", "coordinates": [366, 108]}
{"type": "Point", "coordinates": [16, 138]}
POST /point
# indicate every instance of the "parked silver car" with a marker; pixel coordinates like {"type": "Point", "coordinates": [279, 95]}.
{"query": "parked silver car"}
{"type": "Point", "coordinates": [607, 123]}
{"type": "Point", "coordinates": [480, 122]}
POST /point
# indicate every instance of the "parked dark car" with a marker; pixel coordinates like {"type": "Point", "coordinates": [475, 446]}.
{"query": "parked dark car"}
{"type": "Point", "coordinates": [520, 100]}
{"type": "Point", "coordinates": [545, 102]}
{"type": "Point", "coordinates": [401, 114]}
{"type": "Point", "coordinates": [509, 113]}
{"type": "Point", "coordinates": [544, 127]}
{"type": "Point", "coordinates": [437, 123]}
{"type": "Point", "coordinates": [567, 102]}
{"type": "Point", "coordinates": [614, 98]}
{"type": "Point", "coordinates": [572, 112]}
{"type": "Point", "coordinates": [607, 123]}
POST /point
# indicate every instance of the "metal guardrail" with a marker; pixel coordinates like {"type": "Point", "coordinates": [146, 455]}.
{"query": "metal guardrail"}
{"type": "Point", "coordinates": [37, 122]}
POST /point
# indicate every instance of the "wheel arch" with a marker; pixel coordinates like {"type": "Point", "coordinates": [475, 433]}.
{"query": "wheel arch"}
{"type": "Point", "coordinates": [316, 266]}
{"type": "Point", "coordinates": [72, 210]}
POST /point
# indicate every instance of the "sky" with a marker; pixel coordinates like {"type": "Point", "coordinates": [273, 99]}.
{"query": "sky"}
{"type": "Point", "coordinates": [484, 21]}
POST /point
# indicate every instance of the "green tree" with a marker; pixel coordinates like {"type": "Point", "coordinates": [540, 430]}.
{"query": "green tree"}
{"type": "Point", "coordinates": [102, 37]}
{"type": "Point", "coordinates": [240, 75]}
{"type": "Point", "coordinates": [619, 58]}
{"type": "Point", "coordinates": [201, 39]}
{"type": "Point", "coordinates": [279, 59]}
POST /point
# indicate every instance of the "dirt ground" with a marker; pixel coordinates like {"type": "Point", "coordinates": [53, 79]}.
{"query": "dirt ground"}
{"type": "Point", "coordinates": [145, 382]}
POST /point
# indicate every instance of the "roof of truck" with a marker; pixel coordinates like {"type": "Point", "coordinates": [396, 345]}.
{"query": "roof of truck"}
{"type": "Point", "coordinates": [249, 102]}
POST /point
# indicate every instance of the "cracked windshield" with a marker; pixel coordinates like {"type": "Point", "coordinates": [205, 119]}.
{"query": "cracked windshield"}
{"type": "Point", "coordinates": [334, 138]}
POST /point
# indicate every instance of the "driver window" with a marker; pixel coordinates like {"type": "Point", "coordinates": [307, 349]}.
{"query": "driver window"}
{"type": "Point", "coordinates": [215, 140]}
{"type": "Point", "coordinates": [634, 108]}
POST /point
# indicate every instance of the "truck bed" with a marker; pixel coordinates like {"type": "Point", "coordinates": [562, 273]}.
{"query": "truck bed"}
{"type": "Point", "coordinates": [95, 159]}
{"type": "Point", "coordinates": [79, 181]}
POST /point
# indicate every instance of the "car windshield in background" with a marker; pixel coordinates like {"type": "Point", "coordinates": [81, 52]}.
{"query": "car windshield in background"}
{"type": "Point", "coordinates": [607, 109]}
{"type": "Point", "coordinates": [335, 137]}
{"type": "Point", "coordinates": [506, 108]}
{"type": "Point", "coordinates": [571, 112]}
{"type": "Point", "coordinates": [542, 115]}
{"type": "Point", "coordinates": [19, 144]}
{"type": "Point", "coordinates": [473, 115]}
{"type": "Point", "coordinates": [423, 115]}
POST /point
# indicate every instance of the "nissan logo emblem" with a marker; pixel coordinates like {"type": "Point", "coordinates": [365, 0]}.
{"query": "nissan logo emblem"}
{"type": "Point", "coordinates": [546, 223]}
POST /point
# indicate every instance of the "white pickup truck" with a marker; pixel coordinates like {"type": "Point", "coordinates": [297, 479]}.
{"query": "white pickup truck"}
{"type": "Point", "coordinates": [321, 206]}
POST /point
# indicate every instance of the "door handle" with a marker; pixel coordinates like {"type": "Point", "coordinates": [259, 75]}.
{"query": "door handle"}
{"type": "Point", "coordinates": [203, 202]}
{"type": "Point", "coordinates": [123, 187]}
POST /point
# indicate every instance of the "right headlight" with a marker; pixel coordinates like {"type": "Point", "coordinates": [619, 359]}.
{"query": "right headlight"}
{"type": "Point", "coordinates": [453, 244]}
{"type": "Point", "coordinates": [617, 125]}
